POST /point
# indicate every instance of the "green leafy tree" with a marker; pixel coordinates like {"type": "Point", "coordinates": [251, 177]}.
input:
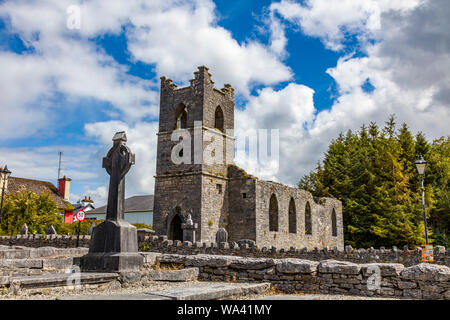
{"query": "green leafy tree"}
{"type": "Point", "coordinates": [39, 212]}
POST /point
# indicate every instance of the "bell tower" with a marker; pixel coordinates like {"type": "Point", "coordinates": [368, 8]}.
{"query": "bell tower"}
{"type": "Point", "coordinates": [195, 147]}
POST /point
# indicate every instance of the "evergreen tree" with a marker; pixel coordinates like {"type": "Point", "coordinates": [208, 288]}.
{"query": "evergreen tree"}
{"type": "Point", "coordinates": [373, 173]}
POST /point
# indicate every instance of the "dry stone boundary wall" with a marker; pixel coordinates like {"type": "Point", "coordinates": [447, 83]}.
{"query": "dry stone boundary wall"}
{"type": "Point", "coordinates": [422, 281]}
{"type": "Point", "coordinates": [247, 248]}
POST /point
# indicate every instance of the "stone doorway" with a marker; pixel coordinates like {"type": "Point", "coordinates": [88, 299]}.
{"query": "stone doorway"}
{"type": "Point", "coordinates": [175, 231]}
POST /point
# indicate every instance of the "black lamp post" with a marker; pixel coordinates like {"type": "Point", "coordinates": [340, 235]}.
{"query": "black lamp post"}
{"type": "Point", "coordinates": [421, 166]}
{"type": "Point", "coordinates": [4, 173]}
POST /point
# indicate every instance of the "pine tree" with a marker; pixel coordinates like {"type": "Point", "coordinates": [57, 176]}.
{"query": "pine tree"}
{"type": "Point", "coordinates": [372, 172]}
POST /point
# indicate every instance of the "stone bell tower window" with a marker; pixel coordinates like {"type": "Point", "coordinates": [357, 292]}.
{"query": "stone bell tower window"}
{"type": "Point", "coordinates": [218, 120]}
{"type": "Point", "coordinates": [181, 117]}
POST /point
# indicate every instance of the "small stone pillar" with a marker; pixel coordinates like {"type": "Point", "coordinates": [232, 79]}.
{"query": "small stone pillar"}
{"type": "Point", "coordinates": [50, 230]}
{"type": "Point", "coordinates": [189, 228]}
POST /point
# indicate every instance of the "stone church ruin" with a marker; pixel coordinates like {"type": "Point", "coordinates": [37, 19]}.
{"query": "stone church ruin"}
{"type": "Point", "coordinates": [221, 195]}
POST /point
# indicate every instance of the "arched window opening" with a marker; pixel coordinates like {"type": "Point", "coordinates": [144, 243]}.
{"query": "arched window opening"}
{"type": "Point", "coordinates": [181, 117]}
{"type": "Point", "coordinates": [175, 230]}
{"type": "Point", "coordinates": [333, 223]}
{"type": "Point", "coordinates": [292, 217]}
{"type": "Point", "coordinates": [308, 219]}
{"type": "Point", "coordinates": [273, 213]}
{"type": "Point", "coordinates": [218, 119]}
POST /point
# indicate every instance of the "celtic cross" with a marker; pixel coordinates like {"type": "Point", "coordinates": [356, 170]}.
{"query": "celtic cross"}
{"type": "Point", "coordinates": [117, 163]}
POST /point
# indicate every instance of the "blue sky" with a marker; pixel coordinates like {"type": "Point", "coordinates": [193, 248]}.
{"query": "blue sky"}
{"type": "Point", "coordinates": [308, 68]}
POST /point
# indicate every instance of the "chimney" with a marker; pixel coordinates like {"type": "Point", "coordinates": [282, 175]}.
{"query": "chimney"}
{"type": "Point", "coordinates": [86, 200]}
{"type": "Point", "coordinates": [64, 187]}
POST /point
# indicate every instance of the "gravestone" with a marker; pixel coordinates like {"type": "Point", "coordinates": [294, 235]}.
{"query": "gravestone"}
{"type": "Point", "coordinates": [51, 230]}
{"type": "Point", "coordinates": [221, 235]}
{"type": "Point", "coordinates": [114, 245]}
{"type": "Point", "coordinates": [24, 230]}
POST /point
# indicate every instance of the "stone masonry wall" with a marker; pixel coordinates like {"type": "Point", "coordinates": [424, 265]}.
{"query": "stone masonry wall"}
{"type": "Point", "coordinates": [422, 281]}
{"type": "Point", "coordinates": [193, 186]}
{"type": "Point", "coordinates": [320, 215]}
{"type": "Point", "coordinates": [242, 206]}
{"type": "Point", "coordinates": [406, 257]}
{"type": "Point", "coordinates": [38, 240]}
{"type": "Point", "coordinates": [161, 244]}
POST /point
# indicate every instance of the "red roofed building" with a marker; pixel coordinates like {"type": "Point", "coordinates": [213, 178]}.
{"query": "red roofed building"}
{"type": "Point", "coordinates": [60, 195]}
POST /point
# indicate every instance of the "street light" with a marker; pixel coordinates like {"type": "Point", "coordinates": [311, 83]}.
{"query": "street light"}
{"type": "Point", "coordinates": [421, 166]}
{"type": "Point", "coordinates": [5, 173]}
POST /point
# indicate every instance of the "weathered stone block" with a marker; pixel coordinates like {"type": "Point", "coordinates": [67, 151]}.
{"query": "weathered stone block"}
{"type": "Point", "coordinates": [21, 263]}
{"type": "Point", "coordinates": [385, 269]}
{"type": "Point", "coordinates": [150, 257]}
{"type": "Point", "coordinates": [203, 260]}
{"type": "Point", "coordinates": [171, 258]}
{"type": "Point", "coordinates": [188, 274]}
{"type": "Point", "coordinates": [290, 265]}
{"type": "Point", "coordinates": [426, 271]}
{"type": "Point", "coordinates": [108, 262]}
{"type": "Point", "coordinates": [338, 267]}
{"type": "Point", "coordinates": [252, 263]}
{"type": "Point", "coordinates": [412, 293]}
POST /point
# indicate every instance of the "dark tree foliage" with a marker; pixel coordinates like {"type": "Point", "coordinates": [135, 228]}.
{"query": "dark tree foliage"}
{"type": "Point", "coordinates": [372, 172]}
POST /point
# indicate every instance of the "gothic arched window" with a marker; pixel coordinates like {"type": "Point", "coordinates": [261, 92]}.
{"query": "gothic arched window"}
{"type": "Point", "coordinates": [273, 213]}
{"type": "Point", "coordinates": [308, 219]}
{"type": "Point", "coordinates": [181, 117]}
{"type": "Point", "coordinates": [333, 223]}
{"type": "Point", "coordinates": [218, 119]}
{"type": "Point", "coordinates": [292, 217]}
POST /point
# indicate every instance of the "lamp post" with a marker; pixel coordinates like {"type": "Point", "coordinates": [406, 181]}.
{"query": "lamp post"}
{"type": "Point", "coordinates": [421, 166]}
{"type": "Point", "coordinates": [4, 173]}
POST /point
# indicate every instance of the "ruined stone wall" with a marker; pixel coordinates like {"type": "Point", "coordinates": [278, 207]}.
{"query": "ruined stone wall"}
{"type": "Point", "coordinates": [320, 217]}
{"type": "Point", "coordinates": [38, 240]}
{"type": "Point", "coordinates": [242, 199]}
{"type": "Point", "coordinates": [406, 256]}
{"type": "Point", "coordinates": [422, 281]}
{"type": "Point", "coordinates": [214, 206]}
{"type": "Point", "coordinates": [182, 191]}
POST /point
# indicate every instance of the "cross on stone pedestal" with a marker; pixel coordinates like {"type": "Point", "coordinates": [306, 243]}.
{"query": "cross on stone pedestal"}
{"type": "Point", "coordinates": [114, 245]}
{"type": "Point", "coordinates": [117, 164]}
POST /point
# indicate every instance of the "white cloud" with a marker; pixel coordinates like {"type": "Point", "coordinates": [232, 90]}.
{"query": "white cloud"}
{"type": "Point", "coordinates": [407, 67]}
{"type": "Point", "coordinates": [184, 36]}
{"type": "Point", "coordinates": [291, 110]}
{"type": "Point", "coordinates": [332, 20]}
